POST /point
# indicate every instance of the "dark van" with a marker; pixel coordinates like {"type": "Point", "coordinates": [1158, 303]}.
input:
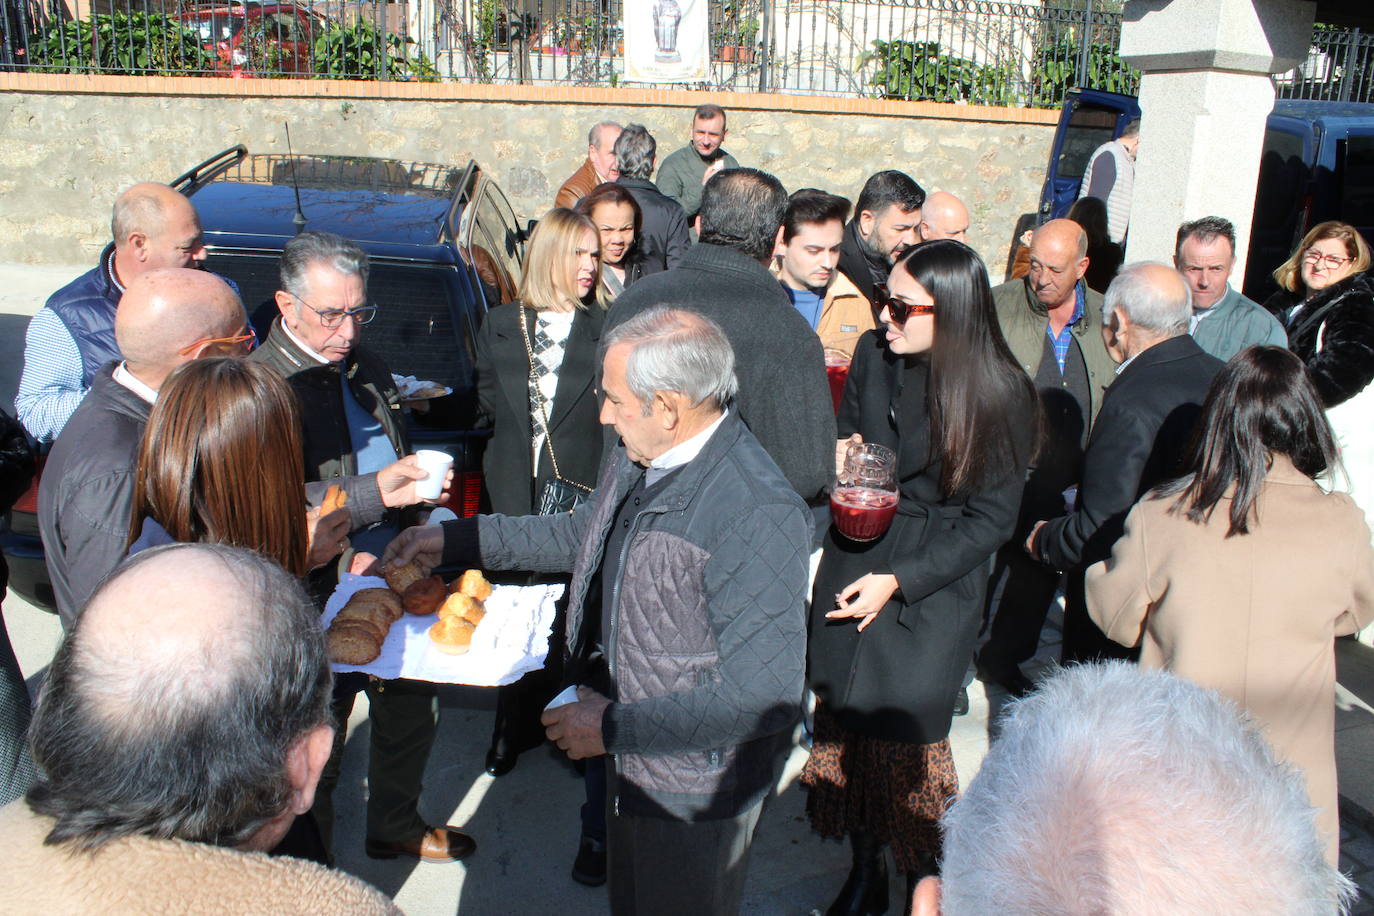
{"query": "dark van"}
{"type": "Point", "coordinates": [1318, 164]}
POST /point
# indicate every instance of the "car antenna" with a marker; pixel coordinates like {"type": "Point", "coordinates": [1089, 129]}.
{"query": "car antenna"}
{"type": "Point", "coordinates": [299, 219]}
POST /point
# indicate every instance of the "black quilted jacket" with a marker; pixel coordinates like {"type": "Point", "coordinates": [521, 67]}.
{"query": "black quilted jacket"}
{"type": "Point", "coordinates": [1333, 334]}
{"type": "Point", "coordinates": [706, 635]}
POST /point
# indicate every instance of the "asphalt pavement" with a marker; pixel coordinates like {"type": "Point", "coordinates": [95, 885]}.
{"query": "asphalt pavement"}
{"type": "Point", "coordinates": [526, 822]}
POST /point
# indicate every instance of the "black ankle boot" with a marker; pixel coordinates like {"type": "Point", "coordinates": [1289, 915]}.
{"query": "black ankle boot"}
{"type": "Point", "coordinates": [865, 890]}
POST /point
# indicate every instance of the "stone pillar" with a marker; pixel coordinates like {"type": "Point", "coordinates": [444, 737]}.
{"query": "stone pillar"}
{"type": "Point", "coordinates": [1205, 92]}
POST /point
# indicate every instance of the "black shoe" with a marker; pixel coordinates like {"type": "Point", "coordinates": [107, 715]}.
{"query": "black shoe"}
{"type": "Point", "coordinates": [865, 890]}
{"type": "Point", "coordinates": [961, 702]}
{"type": "Point", "coordinates": [589, 867]}
{"type": "Point", "coordinates": [500, 760]}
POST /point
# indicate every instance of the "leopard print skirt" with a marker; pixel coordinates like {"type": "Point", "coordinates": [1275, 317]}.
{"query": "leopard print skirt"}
{"type": "Point", "coordinates": [893, 791]}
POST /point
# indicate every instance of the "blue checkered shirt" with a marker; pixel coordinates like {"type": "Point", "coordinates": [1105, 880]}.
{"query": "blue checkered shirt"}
{"type": "Point", "coordinates": [1062, 340]}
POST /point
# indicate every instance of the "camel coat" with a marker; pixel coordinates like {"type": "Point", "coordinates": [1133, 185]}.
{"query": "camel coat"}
{"type": "Point", "coordinates": [1252, 616]}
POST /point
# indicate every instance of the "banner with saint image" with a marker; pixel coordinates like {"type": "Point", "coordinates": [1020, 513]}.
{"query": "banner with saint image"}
{"type": "Point", "coordinates": [666, 41]}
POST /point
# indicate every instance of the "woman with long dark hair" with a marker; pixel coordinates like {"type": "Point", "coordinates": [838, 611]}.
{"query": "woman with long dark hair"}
{"type": "Point", "coordinates": [894, 620]}
{"type": "Point", "coordinates": [220, 463]}
{"type": "Point", "coordinates": [615, 213]}
{"type": "Point", "coordinates": [1239, 575]}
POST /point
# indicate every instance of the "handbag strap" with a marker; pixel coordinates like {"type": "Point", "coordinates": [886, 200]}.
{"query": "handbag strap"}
{"type": "Point", "coordinates": [543, 412]}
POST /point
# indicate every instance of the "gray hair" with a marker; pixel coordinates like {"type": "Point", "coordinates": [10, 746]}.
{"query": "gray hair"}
{"type": "Point", "coordinates": [137, 210]}
{"type": "Point", "coordinates": [325, 248]}
{"type": "Point", "coordinates": [676, 349]}
{"type": "Point", "coordinates": [194, 752]}
{"type": "Point", "coordinates": [594, 135]}
{"type": "Point", "coordinates": [634, 151]}
{"type": "Point", "coordinates": [1114, 789]}
{"type": "Point", "coordinates": [1160, 311]}
{"type": "Point", "coordinates": [1132, 129]}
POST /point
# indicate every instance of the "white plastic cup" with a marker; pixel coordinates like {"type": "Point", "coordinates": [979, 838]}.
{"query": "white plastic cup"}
{"type": "Point", "coordinates": [438, 465]}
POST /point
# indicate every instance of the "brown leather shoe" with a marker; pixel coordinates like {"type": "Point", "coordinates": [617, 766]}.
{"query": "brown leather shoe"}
{"type": "Point", "coordinates": [437, 844]}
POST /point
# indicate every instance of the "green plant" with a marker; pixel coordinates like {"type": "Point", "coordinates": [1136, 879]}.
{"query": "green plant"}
{"type": "Point", "coordinates": [361, 51]}
{"type": "Point", "coordinates": [121, 43]}
{"type": "Point", "coordinates": [738, 24]}
{"type": "Point", "coordinates": [1057, 70]}
{"type": "Point", "coordinates": [918, 70]}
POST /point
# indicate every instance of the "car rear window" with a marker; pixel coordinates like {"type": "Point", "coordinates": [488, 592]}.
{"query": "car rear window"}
{"type": "Point", "coordinates": [413, 332]}
{"type": "Point", "coordinates": [1282, 182]}
{"type": "Point", "coordinates": [1357, 181]}
{"type": "Point", "coordinates": [1089, 127]}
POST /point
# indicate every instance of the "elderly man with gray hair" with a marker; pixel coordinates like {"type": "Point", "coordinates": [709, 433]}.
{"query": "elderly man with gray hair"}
{"type": "Point", "coordinates": [598, 168]}
{"type": "Point", "coordinates": [685, 630]}
{"type": "Point", "coordinates": [1117, 790]}
{"type": "Point", "coordinates": [181, 730]}
{"type": "Point", "coordinates": [1138, 440]}
{"type": "Point", "coordinates": [663, 237]}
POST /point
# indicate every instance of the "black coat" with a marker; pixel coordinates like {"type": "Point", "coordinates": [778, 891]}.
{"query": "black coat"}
{"type": "Point", "coordinates": [1139, 441]}
{"type": "Point", "coordinates": [784, 397]}
{"type": "Point", "coordinates": [897, 679]}
{"type": "Point", "coordinates": [1341, 318]}
{"type": "Point", "coordinates": [663, 238]}
{"type": "Point", "coordinates": [503, 372]}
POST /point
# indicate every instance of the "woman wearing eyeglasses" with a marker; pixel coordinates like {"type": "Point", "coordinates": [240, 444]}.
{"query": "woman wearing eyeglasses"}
{"type": "Point", "coordinates": [894, 620]}
{"type": "Point", "coordinates": [1326, 303]}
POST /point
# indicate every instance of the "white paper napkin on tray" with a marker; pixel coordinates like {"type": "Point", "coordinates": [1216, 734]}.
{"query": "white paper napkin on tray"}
{"type": "Point", "coordinates": [511, 640]}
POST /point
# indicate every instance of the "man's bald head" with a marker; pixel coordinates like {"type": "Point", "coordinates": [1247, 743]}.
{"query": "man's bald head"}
{"type": "Point", "coordinates": [943, 216]}
{"type": "Point", "coordinates": [1058, 260]}
{"type": "Point", "coordinates": [154, 226]}
{"type": "Point", "coordinates": [173, 703]}
{"type": "Point", "coordinates": [164, 311]}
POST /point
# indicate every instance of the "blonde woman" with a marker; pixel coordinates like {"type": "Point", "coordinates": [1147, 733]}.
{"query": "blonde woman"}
{"type": "Point", "coordinates": [536, 373]}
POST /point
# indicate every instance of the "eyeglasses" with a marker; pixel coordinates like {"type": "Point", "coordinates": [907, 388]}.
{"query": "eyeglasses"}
{"type": "Point", "coordinates": [1328, 261]}
{"type": "Point", "coordinates": [244, 342]}
{"type": "Point", "coordinates": [899, 310]}
{"type": "Point", "coordinates": [332, 318]}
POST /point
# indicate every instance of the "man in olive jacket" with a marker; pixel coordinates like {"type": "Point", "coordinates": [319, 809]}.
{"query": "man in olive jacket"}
{"type": "Point", "coordinates": [1052, 322]}
{"type": "Point", "coordinates": [686, 629]}
{"type": "Point", "coordinates": [352, 432]}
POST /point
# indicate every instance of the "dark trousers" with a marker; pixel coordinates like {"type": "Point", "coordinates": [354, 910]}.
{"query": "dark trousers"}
{"type": "Point", "coordinates": [1018, 608]}
{"type": "Point", "coordinates": [668, 867]}
{"type": "Point", "coordinates": [403, 716]}
{"type": "Point", "coordinates": [1083, 641]}
{"type": "Point", "coordinates": [17, 771]}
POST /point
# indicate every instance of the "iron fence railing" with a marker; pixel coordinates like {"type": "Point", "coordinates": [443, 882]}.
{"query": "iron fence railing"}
{"type": "Point", "coordinates": [1005, 52]}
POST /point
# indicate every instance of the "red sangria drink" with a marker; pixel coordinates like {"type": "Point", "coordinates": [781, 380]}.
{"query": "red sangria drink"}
{"type": "Point", "coordinates": [836, 372]}
{"type": "Point", "coordinates": [862, 513]}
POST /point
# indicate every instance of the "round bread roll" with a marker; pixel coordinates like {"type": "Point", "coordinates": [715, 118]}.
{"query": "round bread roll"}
{"type": "Point", "coordinates": [382, 596]}
{"type": "Point", "coordinates": [473, 584]}
{"type": "Point", "coordinates": [350, 645]}
{"type": "Point", "coordinates": [373, 630]}
{"type": "Point", "coordinates": [452, 635]}
{"type": "Point", "coordinates": [424, 597]}
{"type": "Point", "coordinates": [401, 578]}
{"type": "Point", "coordinates": [377, 615]}
{"type": "Point", "coordinates": [459, 606]}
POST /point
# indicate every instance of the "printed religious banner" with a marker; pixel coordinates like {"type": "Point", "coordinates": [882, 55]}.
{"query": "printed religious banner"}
{"type": "Point", "coordinates": [666, 41]}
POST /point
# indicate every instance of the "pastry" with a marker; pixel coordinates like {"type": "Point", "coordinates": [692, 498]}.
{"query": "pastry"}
{"type": "Point", "coordinates": [351, 645]}
{"type": "Point", "coordinates": [473, 584]}
{"type": "Point", "coordinates": [424, 597]}
{"type": "Point", "coordinates": [379, 597]}
{"type": "Point", "coordinates": [334, 499]}
{"type": "Point", "coordinates": [401, 578]}
{"type": "Point", "coordinates": [462, 607]}
{"type": "Point", "coordinates": [452, 635]}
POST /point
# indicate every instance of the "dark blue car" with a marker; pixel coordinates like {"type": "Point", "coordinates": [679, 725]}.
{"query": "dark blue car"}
{"type": "Point", "coordinates": [444, 247]}
{"type": "Point", "coordinates": [1318, 164]}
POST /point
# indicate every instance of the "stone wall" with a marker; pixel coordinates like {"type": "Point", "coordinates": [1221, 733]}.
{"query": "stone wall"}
{"type": "Point", "coordinates": [68, 144]}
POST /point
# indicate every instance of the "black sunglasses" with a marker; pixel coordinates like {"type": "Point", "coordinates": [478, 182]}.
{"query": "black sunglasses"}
{"type": "Point", "coordinates": [900, 310]}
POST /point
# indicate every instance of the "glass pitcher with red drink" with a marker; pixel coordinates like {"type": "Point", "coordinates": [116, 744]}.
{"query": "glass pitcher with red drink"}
{"type": "Point", "coordinates": [863, 498]}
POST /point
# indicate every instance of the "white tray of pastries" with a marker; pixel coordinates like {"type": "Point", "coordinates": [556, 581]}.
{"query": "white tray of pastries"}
{"type": "Point", "coordinates": [472, 633]}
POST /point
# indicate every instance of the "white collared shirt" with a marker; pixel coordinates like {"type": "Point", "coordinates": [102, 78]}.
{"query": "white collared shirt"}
{"type": "Point", "coordinates": [308, 350]}
{"type": "Point", "coordinates": [123, 376]}
{"type": "Point", "coordinates": [681, 453]}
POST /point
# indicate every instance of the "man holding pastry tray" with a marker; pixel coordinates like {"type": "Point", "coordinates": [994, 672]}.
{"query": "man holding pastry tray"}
{"type": "Point", "coordinates": [686, 624]}
{"type": "Point", "coordinates": [353, 434]}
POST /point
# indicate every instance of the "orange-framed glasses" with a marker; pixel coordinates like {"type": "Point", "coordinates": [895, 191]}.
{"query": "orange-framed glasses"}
{"type": "Point", "coordinates": [243, 342]}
